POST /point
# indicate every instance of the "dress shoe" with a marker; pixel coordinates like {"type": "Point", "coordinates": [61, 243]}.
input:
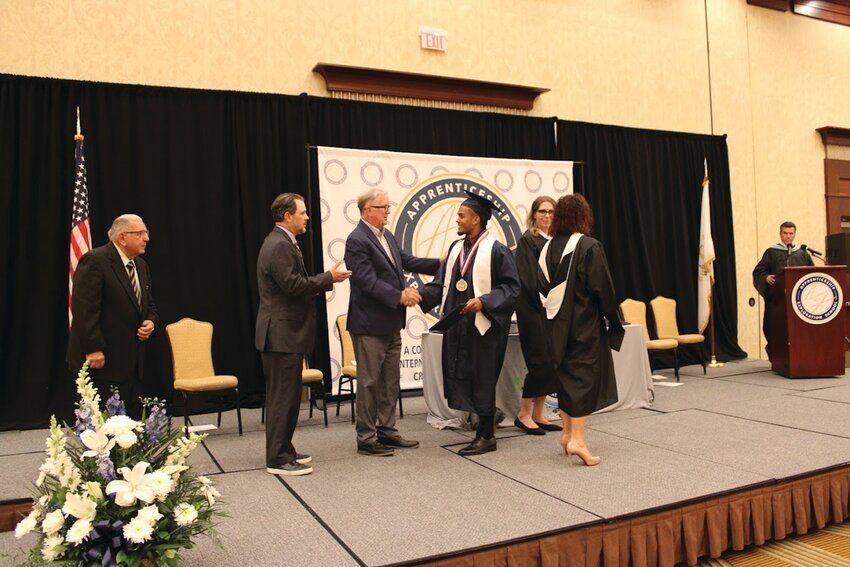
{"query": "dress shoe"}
{"type": "Point", "coordinates": [530, 430]}
{"type": "Point", "coordinates": [478, 447]}
{"type": "Point", "coordinates": [549, 426]}
{"type": "Point", "coordinates": [582, 453]}
{"type": "Point", "coordinates": [303, 459]}
{"type": "Point", "coordinates": [290, 469]}
{"type": "Point", "coordinates": [399, 442]}
{"type": "Point", "coordinates": [374, 449]}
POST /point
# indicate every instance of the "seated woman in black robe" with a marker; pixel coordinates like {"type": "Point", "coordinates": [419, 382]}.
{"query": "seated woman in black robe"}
{"type": "Point", "coordinates": [577, 293]}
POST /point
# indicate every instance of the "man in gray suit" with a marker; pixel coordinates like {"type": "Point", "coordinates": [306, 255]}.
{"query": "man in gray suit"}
{"type": "Point", "coordinates": [286, 328]}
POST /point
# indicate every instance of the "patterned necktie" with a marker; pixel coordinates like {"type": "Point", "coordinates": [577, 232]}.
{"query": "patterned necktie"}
{"type": "Point", "coordinates": [131, 271]}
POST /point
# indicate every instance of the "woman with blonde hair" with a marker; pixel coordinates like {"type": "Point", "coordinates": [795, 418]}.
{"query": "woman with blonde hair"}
{"type": "Point", "coordinates": [540, 379]}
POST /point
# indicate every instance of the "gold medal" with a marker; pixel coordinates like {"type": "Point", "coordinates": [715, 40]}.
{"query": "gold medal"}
{"type": "Point", "coordinates": [461, 285]}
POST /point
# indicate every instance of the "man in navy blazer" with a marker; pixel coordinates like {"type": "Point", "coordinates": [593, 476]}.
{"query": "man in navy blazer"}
{"type": "Point", "coordinates": [377, 308]}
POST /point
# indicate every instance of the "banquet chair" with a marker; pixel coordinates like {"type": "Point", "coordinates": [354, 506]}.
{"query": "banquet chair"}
{"type": "Point", "coordinates": [348, 373]}
{"type": "Point", "coordinates": [634, 312]}
{"type": "Point", "coordinates": [191, 354]}
{"type": "Point", "coordinates": [664, 311]}
{"type": "Point", "coordinates": [309, 376]}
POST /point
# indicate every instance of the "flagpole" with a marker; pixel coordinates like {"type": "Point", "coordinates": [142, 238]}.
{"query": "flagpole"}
{"type": "Point", "coordinates": [78, 137]}
{"type": "Point", "coordinates": [714, 362]}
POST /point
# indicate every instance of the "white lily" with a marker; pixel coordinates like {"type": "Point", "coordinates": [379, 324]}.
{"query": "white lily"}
{"type": "Point", "coordinates": [94, 490]}
{"type": "Point", "coordinates": [79, 506]}
{"type": "Point", "coordinates": [133, 487]}
{"type": "Point", "coordinates": [97, 441]}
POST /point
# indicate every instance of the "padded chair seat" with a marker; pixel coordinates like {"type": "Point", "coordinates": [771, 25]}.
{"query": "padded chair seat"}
{"type": "Point", "coordinates": [309, 375]}
{"type": "Point", "coordinates": [662, 344]}
{"type": "Point", "coordinates": [206, 384]}
{"type": "Point", "coordinates": [688, 339]}
{"type": "Point", "coordinates": [350, 371]}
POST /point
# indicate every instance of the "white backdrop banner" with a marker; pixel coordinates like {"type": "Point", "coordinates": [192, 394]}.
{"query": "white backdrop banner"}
{"type": "Point", "coordinates": [424, 192]}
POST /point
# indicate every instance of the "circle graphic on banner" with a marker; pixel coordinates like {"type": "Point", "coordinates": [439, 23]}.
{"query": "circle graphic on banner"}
{"type": "Point", "coordinates": [817, 298]}
{"type": "Point", "coordinates": [504, 180]}
{"type": "Point", "coordinates": [425, 222]}
{"type": "Point", "coordinates": [533, 181]}
{"type": "Point", "coordinates": [336, 249]}
{"type": "Point", "coordinates": [324, 210]}
{"type": "Point", "coordinates": [371, 174]}
{"type": "Point", "coordinates": [415, 326]}
{"type": "Point", "coordinates": [438, 170]}
{"type": "Point", "coordinates": [561, 182]}
{"type": "Point", "coordinates": [406, 175]}
{"type": "Point", "coordinates": [352, 216]}
{"type": "Point", "coordinates": [335, 171]}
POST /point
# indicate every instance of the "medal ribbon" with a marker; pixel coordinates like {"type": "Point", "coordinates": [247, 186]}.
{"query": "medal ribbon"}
{"type": "Point", "coordinates": [464, 265]}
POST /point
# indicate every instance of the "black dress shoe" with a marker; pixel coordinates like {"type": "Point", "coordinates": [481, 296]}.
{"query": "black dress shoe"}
{"type": "Point", "coordinates": [374, 449]}
{"type": "Point", "coordinates": [399, 441]}
{"type": "Point", "coordinates": [549, 426]}
{"type": "Point", "coordinates": [478, 447]}
{"type": "Point", "coordinates": [527, 429]}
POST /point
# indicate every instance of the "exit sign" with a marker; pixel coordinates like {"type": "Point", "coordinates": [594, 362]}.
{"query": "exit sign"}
{"type": "Point", "coordinates": [433, 38]}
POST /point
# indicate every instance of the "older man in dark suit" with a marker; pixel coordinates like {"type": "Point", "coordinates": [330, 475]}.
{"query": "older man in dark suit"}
{"type": "Point", "coordinates": [376, 314]}
{"type": "Point", "coordinates": [114, 313]}
{"type": "Point", "coordinates": [286, 328]}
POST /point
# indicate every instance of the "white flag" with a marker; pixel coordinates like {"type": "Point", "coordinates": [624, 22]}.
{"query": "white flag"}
{"type": "Point", "coordinates": [706, 258]}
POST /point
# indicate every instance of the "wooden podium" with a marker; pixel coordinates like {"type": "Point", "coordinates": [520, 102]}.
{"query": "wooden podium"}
{"type": "Point", "coordinates": [807, 321]}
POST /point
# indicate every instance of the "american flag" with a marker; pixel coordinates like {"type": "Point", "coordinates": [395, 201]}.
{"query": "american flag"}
{"type": "Point", "coordinates": [80, 233]}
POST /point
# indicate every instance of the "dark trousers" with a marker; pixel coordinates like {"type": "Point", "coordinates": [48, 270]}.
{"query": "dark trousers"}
{"type": "Point", "coordinates": [283, 400]}
{"type": "Point", "coordinates": [129, 390]}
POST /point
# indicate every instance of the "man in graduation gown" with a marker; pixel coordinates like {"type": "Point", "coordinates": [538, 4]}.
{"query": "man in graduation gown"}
{"type": "Point", "coordinates": [774, 259]}
{"type": "Point", "coordinates": [480, 279]}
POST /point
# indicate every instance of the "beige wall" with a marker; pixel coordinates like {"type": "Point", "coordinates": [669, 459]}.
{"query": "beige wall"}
{"type": "Point", "coordinates": [773, 79]}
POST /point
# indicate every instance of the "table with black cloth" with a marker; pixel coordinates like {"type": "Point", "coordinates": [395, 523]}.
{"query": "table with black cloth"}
{"type": "Point", "coordinates": [631, 367]}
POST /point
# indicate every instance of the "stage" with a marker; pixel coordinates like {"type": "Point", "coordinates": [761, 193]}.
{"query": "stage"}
{"type": "Point", "coordinates": [740, 428]}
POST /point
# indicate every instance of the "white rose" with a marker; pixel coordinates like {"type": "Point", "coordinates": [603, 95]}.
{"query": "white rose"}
{"type": "Point", "coordinates": [53, 522]}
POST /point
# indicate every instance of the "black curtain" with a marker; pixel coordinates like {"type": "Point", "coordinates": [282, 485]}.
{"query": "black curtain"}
{"type": "Point", "coordinates": [645, 188]}
{"type": "Point", "coordinates": [201, 168]}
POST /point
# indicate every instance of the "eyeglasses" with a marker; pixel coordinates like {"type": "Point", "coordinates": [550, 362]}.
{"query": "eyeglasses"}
{"type": "Point", "coordinates": [385, 207]}
{"type": "Point", "coordinates": [546, 213]}
{"type": "Point", "coordinates": [138, 232]}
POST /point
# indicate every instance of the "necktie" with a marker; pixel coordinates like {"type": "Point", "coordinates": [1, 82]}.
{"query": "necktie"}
{"type": "Point", "coordinates": [131, 271]}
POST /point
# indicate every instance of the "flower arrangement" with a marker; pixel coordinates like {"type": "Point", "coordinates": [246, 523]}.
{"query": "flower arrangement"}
{"type": "Point", "coordinates": [116, 491]}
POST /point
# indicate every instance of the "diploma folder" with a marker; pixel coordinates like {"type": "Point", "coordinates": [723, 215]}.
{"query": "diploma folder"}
{"type": "Point", "coordinates": [451, 318]}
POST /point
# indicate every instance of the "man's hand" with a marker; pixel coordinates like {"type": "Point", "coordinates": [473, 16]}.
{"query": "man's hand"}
{"type": "Point", "coordinates": [339, 275]}
{"type": "Point", "coordinates": [145, 329]}
{"type": "Point", "coordinates": [96, 359]}
{"type": "Point", "coordinates": [409, 297]}
{"type": "Point", "coordinates": [771, 279]}
{"type": "Point", "coordinates": [474, 305]}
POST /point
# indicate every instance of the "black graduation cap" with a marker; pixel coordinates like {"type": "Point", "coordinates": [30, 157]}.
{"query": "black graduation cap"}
{"type": "Point", "coordinates": [482, 206]}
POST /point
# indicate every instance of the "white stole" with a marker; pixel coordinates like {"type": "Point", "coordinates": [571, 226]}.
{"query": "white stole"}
{"type": "Point", "coordinates": [552, 302]}
{"type": "Point", "coordinates": [481, 282]}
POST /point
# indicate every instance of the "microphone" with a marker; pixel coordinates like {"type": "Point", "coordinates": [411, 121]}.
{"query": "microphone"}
{"type": "Point", "coordinates": [810, 250]}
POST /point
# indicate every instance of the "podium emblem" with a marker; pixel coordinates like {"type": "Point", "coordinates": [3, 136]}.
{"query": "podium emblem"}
{"type": "Point", "coordinates": [817, 298]}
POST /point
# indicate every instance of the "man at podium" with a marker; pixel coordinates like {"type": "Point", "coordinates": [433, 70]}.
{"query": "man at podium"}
{"type": "Point", "coordinates": [778, 256]}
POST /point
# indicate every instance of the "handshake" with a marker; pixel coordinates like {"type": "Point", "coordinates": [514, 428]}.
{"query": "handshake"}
{"type": "Point", "coordinates": [409, 297]}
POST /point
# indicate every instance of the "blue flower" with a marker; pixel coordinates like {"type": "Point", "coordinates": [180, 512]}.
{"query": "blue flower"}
{"type": "Point", "coordinates": [106, 468]}
{"type": "Point", "coordinates": [114, 405]}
